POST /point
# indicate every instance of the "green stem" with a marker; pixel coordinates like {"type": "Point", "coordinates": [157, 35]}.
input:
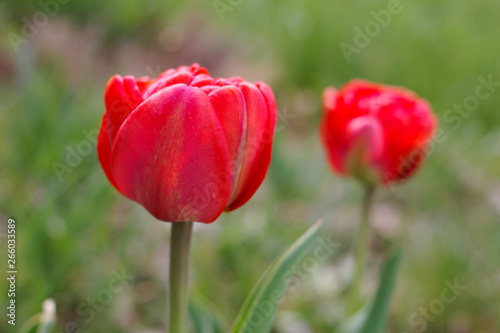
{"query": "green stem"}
{"type": "Point", "coordinates": [361, 249]}
{"type": "Point", "coordinates": [179, 276]}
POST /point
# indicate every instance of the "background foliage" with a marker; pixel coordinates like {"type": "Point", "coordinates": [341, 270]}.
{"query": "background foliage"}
{"type": "Point", "coordinates": [75, 230]}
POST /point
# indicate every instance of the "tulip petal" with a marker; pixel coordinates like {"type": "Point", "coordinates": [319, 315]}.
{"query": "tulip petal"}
{"type": "Point", "coordinates": [229, 105]}
{"type": "Point", "coordinates": [332, 129]}
{"type": "Point", "coordinates": [408, 127]}
{"type": "Point", "coordinates": [168, 80]}
{"type": "Point", "coordinates": [104, 151]}
{"type": "Point", "coordinates": [122, 96]}
{"type": "Point", "coordinates": [270, 102]}
{"type": "Point", "coordinates": [366, 144]}
{"type": "Point", "coordinates": [170, 155]}
{"type": "Point", "coordinates": [261, 121]}
{"type": "Point", "coordinates": [202, 80]}
{"type": "Point", "coordinates": [144, 82]}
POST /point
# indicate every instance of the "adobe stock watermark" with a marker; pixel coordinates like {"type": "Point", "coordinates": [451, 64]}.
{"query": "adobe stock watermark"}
{"type": "Point", "coordinates": [116, 109]}
{"type": "Point", "coordinates": [455, 116]}
{"type": "Point", "coordinates": [283, 119]}
{"type": "Point", "coordinates": [419, 320]}
{"type": "Point", "coordinates": [88, 309]}
{"type": "Point", "coordinates": [74, 154]}
{"type": "Point", "coordinates": [324, 249]}
{"type": "Point", "coordinates": [371, 29]}
{"type": "Point", "coordinates": [460, 111]}
{"type": "Point", "coordinates": [153, 72]}
{"type": "Point", "coordinates": [31, 26]}
{"type": "Point", "coordinates": [223, 6]}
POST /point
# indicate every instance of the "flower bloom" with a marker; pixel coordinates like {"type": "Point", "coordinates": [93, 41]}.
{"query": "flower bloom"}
{"type": "Point", "coordinates": [184, 145]}
{"type": "Point", "coordinates": [376, 133]}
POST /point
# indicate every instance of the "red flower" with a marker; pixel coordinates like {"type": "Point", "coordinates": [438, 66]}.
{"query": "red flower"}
{"type": "Point", "coordinates": [186, 146]}
{"type": "Point", "coordinates": [376, 133]}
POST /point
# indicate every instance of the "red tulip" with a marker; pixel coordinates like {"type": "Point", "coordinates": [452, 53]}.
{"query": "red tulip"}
{"type": "Point", "coordinates": [376, 133]}
{"type": "Point", "coordinates": [184, 145]}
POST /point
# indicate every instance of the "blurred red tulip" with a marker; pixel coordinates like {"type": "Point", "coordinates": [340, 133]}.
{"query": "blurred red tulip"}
{"type": "Point", "coordinates": [184, 145]}
{"type": "Point", "coordinates": [376, 133]}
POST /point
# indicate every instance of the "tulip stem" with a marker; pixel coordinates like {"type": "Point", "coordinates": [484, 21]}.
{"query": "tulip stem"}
{"type": "Point", "coordinates": [179, 276]}
{"type": "Point", "coordinates": [361, 249]}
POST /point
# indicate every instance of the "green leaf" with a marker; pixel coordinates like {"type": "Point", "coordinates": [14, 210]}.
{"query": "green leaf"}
{"type": "Point", "coordinates": [259, 308]}
{"type": "Point", "coordinates": [30, 324]}
{"type": "Point", "coordinates": [373, 317]}
{"type": "Point", "coordinates": [204, 316]}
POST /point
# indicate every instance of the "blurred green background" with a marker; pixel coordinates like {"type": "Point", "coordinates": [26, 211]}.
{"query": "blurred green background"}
{"type": "Point", "coordinates": [74, 231]}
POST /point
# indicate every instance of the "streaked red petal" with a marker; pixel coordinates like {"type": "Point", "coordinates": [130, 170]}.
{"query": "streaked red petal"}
{"type": "Point", "coordinates": [170, 156]}
{"type": "Point", "coordinates": [229, 106]}
{"type": "Point", "coordinates": [261, 117]}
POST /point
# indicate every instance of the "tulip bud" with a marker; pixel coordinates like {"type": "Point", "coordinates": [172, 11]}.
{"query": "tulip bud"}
{"type": "Point", "coordinates": [372, 132]}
